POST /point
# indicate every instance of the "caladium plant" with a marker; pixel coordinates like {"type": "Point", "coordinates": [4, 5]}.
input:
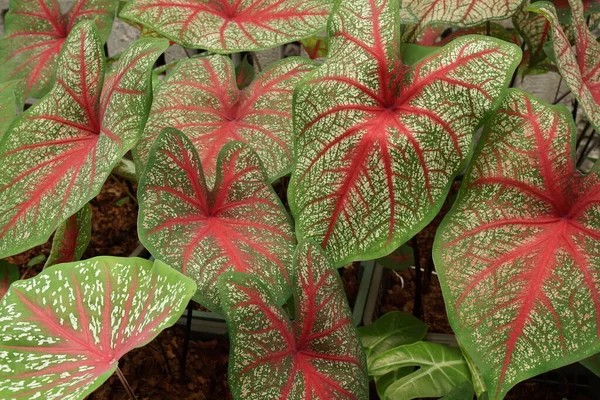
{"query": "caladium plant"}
{"type": "Point", "coordinates": [517, 255]}
{"type": "Point", "coordinates": [377, 142]}
{"type": "Point", "coordinates": [201, 98]}
{"type": "Point", "coordinates": [580, 70]}
{"type": "Point", "coordinates": [317, 356]}
{"type": "Point", "coordinates": [226, 26]}
{"type": "Point", "coordinates": [63, 331]}
{"type": "Point", "coordinates": [57, 155]}
{"type": "Point", "coordinates": [35, 31]}
{"type": "Point", "coordinates": [239, 225]}
{"type": "Point", "coordinates": [71, 238]}
{"type": "Point", "coordinates": [8, 105]}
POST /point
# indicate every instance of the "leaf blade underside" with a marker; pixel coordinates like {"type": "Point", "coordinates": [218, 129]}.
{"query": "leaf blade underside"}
{"type": "Point", "coordinates": [221, 26]}
{"type": "Point", "coordinates": [35, 32]}
{"type": "Point", "coordinates": [240, 225]}
{"type": "Point", "coordinates": [200, 98]}
{"type": "Point", "coordinates": [371, 133]}
{"type": "Point", "coordinates": [317, 356]}
{"type": "Point", "coordinates": [71, 238]}
{"type": "Point", "coordinates": [580, 70]}
{"type": "Point", "coordinates": [63, 331]}
{"type": "Point", "coordinates": [516, 255]}
{"type": "Point", "coordinates": [57, 155]}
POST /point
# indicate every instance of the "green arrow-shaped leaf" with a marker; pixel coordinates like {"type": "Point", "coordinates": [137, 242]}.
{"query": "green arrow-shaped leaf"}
{"type": "Point", "coordinates": [71, 238]}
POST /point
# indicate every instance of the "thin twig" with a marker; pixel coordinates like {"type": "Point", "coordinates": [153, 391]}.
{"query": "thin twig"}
{"type": "Point", "coordinates": [557, 89]}
{"type": "Point", "coordinates": [186, 342]}
{"type": "Point", "coordinates": [559, 99]}
{"type": "Point", "coordinates": [585, 149]}
{"type": "Point", "coordinates": [582, 135]}
{"type": "Point", "coordinates": [125, 384]}
{"type": "Point", "coordinates": [187, 53]}
{"type": "Point", "coordinates": [417, 311]}
{"type": "Point", "coordinates": [164, 354]}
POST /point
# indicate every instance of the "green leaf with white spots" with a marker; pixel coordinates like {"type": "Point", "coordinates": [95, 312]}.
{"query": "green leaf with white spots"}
{"type": "Point", "coordinates": [317, 356]}
{"type": "Point", "coordinates": [201, 98]}
{"type": "Point", "coordinates": [8, 105]}
{"type": "Point", "coordinates": [441, 368]}
{"type": "Point", "coordinates": [35, 32]}
{"type": "Point", "coordinates": [8, 274]}
{"type": "Point", "coordinates": [71, 238]}
{"type": "Point", "coordinates": [580, 69]}
{"type": "Point", "coordinates": [239, 225]}
{"type": "Point", "coordinates": [378, 143]}
{"type": "Point", "coordinates": [57, 155]}
{"type": "Point", "coordinates": [226, 26]}
{"type": "Point", "coordinates": [63, 332]}
{"type": "Point", "coordinates": [517, 255]}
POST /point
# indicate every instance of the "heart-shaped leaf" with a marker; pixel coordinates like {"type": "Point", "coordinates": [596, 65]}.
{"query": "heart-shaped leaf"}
{"type": "Point", "coordinates": [517, 254]}
{"type": "Point", "coordinates": [441, 368]}
{"type": "Point", "coordinates": [71, 238]}
{"type": "Point", "coordinates": [225, 26]}
{"type": "Point", "coordinates": [8, 107]}
{"type": "Point", "coordinates": [391, 330]}
{"type": "Point", "coordinates": [317, 356]}
{"type": "Point", "coordinates": [378, 143]}
{"type": "Point", "coordinates": [240, 225]}
{"type": "Point", "coordinates": [580, 71]}
{"type": "Point", "coordinates": [63, 332]}
{"type": "Point", "coordinates": [200, 97]}
{"type": "Point", "coordinates": [401, 258]}
{"type": "Point", "coordinates": [35, 32]}
{"type": "Point", "coordinates": [535, 30]}
{"type": "Point", "coordinates": [57, 155]}
{"type": "Point", "coordinates": [8, 274]}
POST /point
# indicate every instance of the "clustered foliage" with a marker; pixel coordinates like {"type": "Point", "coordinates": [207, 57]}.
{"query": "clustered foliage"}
{"type": "Point", "coordinates": [373, 128]}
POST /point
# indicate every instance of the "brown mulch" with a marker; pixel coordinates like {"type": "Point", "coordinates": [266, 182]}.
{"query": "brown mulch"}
{"type": "Point", "coordinates": [151, 377]}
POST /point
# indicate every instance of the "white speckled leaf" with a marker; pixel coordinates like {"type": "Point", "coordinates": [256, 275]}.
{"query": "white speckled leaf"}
{"type": "Point", "coordinates": [57, 155]}
{"type": "Point", "coordinates": [227, 26]}
{"type": "Point", "coordinates": [317, 356]}
{"type": "Point", "coordinates": [62, 333]}
{"type": "Point", "coordinates": [8, 274]}
{"type": "Point", "coordinates": [8, 106]}
{"type": "Point", "coordinates": [35, 32]}
{"type": "Point", "coordinates": [200, 97]}
{"type": "Point", "coordinates": [240, 225]}
{"type": "Point", "coordinates": [71, 238]}
{"type": "Point", "coordinates": [517, 255]}
{"type": "Point", "coordinates": [580, 70]}
{"type": "Point", "coordinates": [378, 143]}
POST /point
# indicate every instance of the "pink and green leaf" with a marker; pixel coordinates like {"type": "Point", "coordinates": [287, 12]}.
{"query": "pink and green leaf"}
{"type": "Point", "coordinates": [316, 46]}
{"type": "Point", "coordinates": [8, 274]}
{"type": "Point", "coordinates": [244, 73]}
{"type": "Point", "coordinates": [401, 258]}
{"type": "Point", "coordinates": [580, 69]}
{"type": "Point", "coordinates": [64, 331]}
{"type": "Point", "coordinates": [535, 30]}
{"type": "Point", "coordinates": [225, 26]}
{"type": "Point", "coordinates": [200, 97]}
{"type": "Point", "coordinates": [8, 105]}
{"type": "Point", "coordinates": [35, 32]}
{"type": "Point", "coordinates": [316, 356]}
{"type": "Point", "coordinates": [71, 238]}
{"type": "Point", "coordinates": [240, 225]}
{"type": "Point", "coordinates": [378, 142]}
{"type": "Point", "coordinates": [57, 155]}
{"type": "Point", "coordinates": [517, 255]}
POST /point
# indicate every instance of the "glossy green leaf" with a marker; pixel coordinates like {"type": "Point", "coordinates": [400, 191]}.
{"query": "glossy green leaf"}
{"type": "Point", "coordinates": [464, 391]}
{"type": "Point", "coordinates": [62, 332]}
{"type": "Point", "coordinates": [317, 356]}
{"type": "Point", "coordinates": [8, 274]}
{"type": "Point", "coordinates": [35, 31]}
{"type": "Point", "coordinates": [71, 238]}
{"type": "Point", "coordinates": [8, 105]}
{"type": "Point", "coordinates": [239, 225]}
{"type": "Point", "coordinates": [382, 382]}
{"type": "Point", "coordinates": [401, 258]}
{"type": "Point", "coordinates": [226, 26]}
{"type": "Point", "coordinates": [517, 253]}
{"type": "Point", "coordinates": [391, 330]}
{"type": "Point", "coordinates": [441, 368]}
{"type": "Point", "coordinates": [378, 144]}
{"type": "Point", "coordinates": [580, 68]}
{"type": "Point", "coordinates": [592, 363]}
{"type": "Point", "coordinates": [57, 155]}
{"type": "Point", "coordinates": [200, 97]}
